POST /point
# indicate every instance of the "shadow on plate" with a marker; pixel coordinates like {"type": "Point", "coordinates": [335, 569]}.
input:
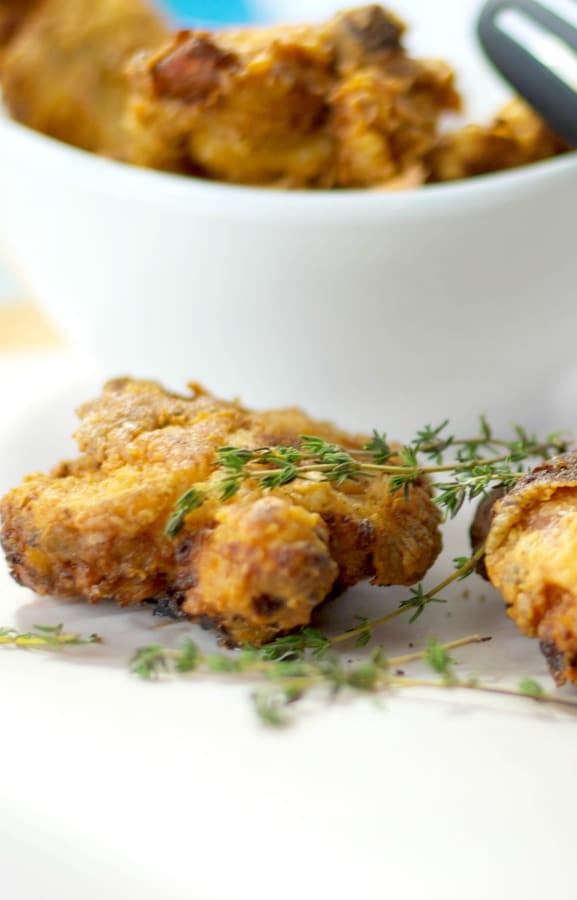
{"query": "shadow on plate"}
{"type": "Point", "coordinates": [470, 609]}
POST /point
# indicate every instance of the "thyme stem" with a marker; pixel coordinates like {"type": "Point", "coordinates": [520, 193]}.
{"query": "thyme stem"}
{"type": "Point", "coordinates": [452, 645]}
{"type": "Point", "coordinates": [369, 627]}
{"type": "Point", "coordinates": [44, 637]}
{"type": "Point", "coordinates": [274, 467]}
{"type": "Point", "coordinates": [548, 699]}
{"type": "Point", "coordinates": [282, 680]}
{"type": "Point", "coordinates": [382, 469]}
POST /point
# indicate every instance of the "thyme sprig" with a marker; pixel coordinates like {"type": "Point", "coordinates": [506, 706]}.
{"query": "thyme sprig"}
{"type": "Point", "coordinates": [289, 672]}
{"type": "Point", "coordinates": [415, 603]}
{"type": "Point", "coordinates": [476, 465]}
{"type": "Point", "coordinates": [293, 668]}
{"type": "Point", "coordinates": [44, 637]}
{"type": "Point", "coordinates": [305, 663]}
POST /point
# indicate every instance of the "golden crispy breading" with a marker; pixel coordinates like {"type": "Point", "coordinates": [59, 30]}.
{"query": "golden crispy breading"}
{"type": "Point", "coordinates": [255, 566]}
{"type": "Point", "coordinates": [532, 559]}
{"type": "Point", "coordinates": [516, 137]}
{"type": "Point", "coordinates": [334, 105]}
{"type": "Point", "coordinates": [63, 73]}
{"type": "Point", "coordinates": [263, 566]}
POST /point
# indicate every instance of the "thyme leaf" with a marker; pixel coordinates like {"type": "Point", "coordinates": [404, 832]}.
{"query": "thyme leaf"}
{"type": "Point", "coordinates": [191, 500]}
{"type": "Point", "coordinates": [44, 637]}
{"type": "Point", "coordinates": [476, 465]}
{"type": "Point", "coordinates": [281, 676]}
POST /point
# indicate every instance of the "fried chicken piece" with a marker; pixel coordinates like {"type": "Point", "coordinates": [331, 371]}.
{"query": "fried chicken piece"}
{"type": "Point", "coordinates": [63, 71]}
{"type": "Point", "coordinates": [517, 137]}
{"type": "Point", "coordinates": [332, 105]}
{"type": "Point", "coordinates": [532, 559]}
{"type": "Point", "coordinates": [481, 525]}
{"type": "Point", "coordinates": [255, 566]}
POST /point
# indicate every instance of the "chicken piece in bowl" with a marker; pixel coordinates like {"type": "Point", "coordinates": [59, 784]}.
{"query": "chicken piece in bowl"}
{"type": "Point", "coordinates": [339, 104]}
{"type": "Point", "coordinates": [63, 69]}
{"type": "Point", "coordinates": [515, 138]}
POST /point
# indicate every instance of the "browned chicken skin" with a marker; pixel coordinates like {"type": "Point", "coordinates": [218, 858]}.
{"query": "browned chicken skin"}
{"type": "Point", "coordinates": [532, 559]}
{"type": "Point", "coordinates": [13, 14]}
{"type": "Point", "coordinates": [516, 137]}
{"type": "Point", "coordinates": [255, 566]}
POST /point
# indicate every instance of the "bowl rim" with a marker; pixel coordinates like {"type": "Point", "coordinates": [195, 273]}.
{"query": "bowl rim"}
{"type": "Point", "coordinates": [97, 174]}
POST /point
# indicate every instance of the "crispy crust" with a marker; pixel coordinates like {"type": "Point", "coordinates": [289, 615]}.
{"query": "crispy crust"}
{"type": "Point", "coordinates": [95, 526]}
{"type": "Point", "coordinates": [532, 559]}
{"type": "Point", "coordinates": [515, 138]}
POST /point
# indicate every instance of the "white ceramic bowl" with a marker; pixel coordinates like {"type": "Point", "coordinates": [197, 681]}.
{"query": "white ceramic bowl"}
{"type": "Point", "coordinates": [375, 309]}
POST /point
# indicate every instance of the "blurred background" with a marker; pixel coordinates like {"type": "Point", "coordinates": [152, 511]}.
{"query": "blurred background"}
{"type": "Point", "coordinates": [432, 31]}
{"type": "Point", "coordinates": [213, 12]}
{"type": "Point", "coordinates": [222, 11]}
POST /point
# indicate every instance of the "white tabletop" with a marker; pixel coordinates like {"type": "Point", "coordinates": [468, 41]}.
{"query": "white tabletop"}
{"type": "Point", "coordinates": [114, 788]}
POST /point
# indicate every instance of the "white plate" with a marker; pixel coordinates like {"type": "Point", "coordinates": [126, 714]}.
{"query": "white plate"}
{"type": "Point", "coordinates": [110, 787]}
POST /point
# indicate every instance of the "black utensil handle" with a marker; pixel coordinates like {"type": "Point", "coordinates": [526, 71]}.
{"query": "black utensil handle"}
{"type": "Point", "coordinates": [549, 19]}
{"type": "Point", "coordinates": [551, 97]}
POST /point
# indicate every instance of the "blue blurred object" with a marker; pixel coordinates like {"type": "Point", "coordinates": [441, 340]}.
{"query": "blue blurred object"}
{"type": "Point", "coordinates": [8, 290]}
{"type": "Point", "coordinates": [195, 12]}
